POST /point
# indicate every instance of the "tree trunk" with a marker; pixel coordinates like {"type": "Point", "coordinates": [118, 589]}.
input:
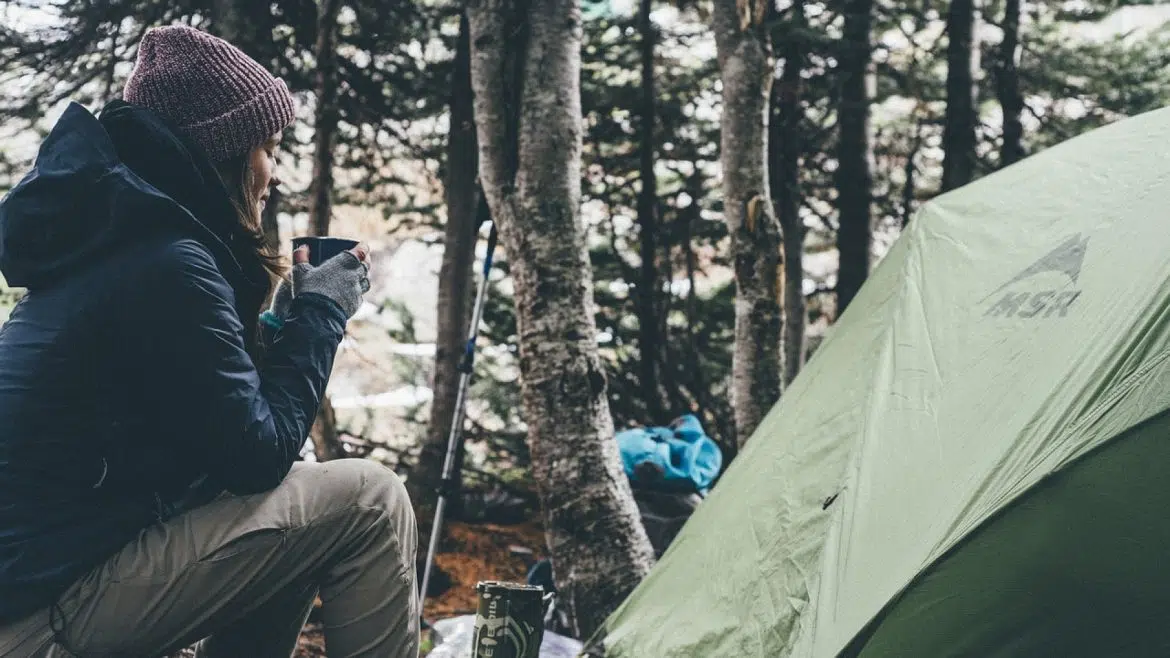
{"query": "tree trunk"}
{"type": "Point", "coordinates": [854, 181]}
{"type": "Point", "coordinates": [456, 289]}
{"type": "Point", "coordinates": [697, 380]}
{"type": "Point", "coordinates": [325, 436]}
{"type": "Point", "coordinates": [112, 66]}
{"type": "Point", "coordinates": [649, 339]}
{"type": "Point", "coordinates": [909, 171]}
{"type": "Point", "coordinates": [237, 22]}
{"type": "Point", "coordinates": [326, 439]}
{"type": "Point", "coordinates": [325, 119]}
{"type": "Point", "coordinates": [959, 123]}
{"type": "Point", "coordinates": [1011, 100]}
{"type": "Point", "coordinates": [743, 50]}
{"type": "Point", "coordinates": [690, 217]}
{"type": "Point", "coordinates": [784, 148]}
{"type": "Point", "coordinates": [527, 55]}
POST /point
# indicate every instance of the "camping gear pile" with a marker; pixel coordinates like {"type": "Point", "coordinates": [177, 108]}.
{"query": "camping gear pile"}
{"type": "Point", "coordinates": [974, 461]}
{"type": "Point", "coordinates": [670, 470]}
{"type": "Point", "coordinates": [680, 457]}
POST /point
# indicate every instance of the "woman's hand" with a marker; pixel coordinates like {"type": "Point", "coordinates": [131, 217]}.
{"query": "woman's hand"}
{"type": "Point", "coordinates": [343, 278]}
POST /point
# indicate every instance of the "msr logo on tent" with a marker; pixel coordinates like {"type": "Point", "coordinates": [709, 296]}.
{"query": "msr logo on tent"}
{"type": "Point", "coordinates": [1048, 288]}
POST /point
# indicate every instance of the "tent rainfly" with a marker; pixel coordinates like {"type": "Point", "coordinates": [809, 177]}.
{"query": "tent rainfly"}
{"type": "Point", "coordinates": [974, 464]}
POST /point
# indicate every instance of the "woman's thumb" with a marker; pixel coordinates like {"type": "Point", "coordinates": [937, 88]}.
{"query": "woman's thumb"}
{"type": "Point", "coordinates": [301, 255]}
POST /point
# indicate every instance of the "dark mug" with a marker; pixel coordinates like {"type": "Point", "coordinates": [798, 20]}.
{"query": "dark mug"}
{"type": "Point", "coordinates": [323, 248]}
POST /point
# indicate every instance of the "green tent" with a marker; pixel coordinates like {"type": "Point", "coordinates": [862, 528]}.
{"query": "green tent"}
{"type": "Point", "coordinates": [976, 462]}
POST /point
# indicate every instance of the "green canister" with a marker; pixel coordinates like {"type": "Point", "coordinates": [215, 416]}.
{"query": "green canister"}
{"type": "Point", "coordinates": [509, 621]}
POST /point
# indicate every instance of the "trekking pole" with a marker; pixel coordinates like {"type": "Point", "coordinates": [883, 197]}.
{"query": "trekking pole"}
{"type": "Point", "coordinates": [447, 484]}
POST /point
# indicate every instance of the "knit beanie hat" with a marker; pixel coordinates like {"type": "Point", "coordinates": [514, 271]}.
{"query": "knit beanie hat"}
{"type": "Point", "coordinates": [216, 95]}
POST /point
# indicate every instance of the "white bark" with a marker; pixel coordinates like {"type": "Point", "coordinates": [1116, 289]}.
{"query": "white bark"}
{"type": "Point", "coordinates": [531, 177]}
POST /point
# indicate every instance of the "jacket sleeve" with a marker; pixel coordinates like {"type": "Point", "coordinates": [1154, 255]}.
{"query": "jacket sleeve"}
{"type": "Point", "coordinates": [248, 425]}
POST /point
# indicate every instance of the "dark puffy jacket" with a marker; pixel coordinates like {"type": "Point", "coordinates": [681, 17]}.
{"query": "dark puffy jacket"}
{"type": "Point", "coordinates": [127, 389]}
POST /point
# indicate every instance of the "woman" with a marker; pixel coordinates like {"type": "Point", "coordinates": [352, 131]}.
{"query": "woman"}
{"type": "Point", "coordinates": [148, 427]}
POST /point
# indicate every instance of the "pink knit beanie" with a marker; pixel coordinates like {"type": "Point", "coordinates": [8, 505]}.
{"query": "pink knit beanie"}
{"type": "Point", "coordinates": [219, 97]}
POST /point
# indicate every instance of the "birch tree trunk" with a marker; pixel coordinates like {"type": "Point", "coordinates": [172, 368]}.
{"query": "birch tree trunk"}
{"type": "Point", "coordinates": [326, 442]}
{"type": "Point", "coordinates": [526, 55]}
{"type": "Point", "coordinates": [649, 339]}
{"type": "Point", "coordinates": [1011, 100]}
{"type": "Point", "coordinates": [455, 273]}
{"type": "Point", "coordinates": [784, 148]}
{"type": "Point", "coordinates": [959, 122]}
{"type": "Point", "coordinates": [743, 49]}
{"type": "Point", "coordinates": [854, 180]}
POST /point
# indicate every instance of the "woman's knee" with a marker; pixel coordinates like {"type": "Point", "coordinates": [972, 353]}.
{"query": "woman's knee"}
{"type": "Point", "coordinates": [380, 488]}
{"type": "Point", "coordinates": [371, 483]}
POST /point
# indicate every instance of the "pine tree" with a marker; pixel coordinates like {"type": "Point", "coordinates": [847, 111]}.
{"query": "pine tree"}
{"type": "Point", "coordinates": [854, 179]}
{"type": "Point", "coordinates": [959, 141]}
{"type": "Point", "coordinates": [466, 209]}
{"type": "Point", "coordinates": [784, 151]}
{"type": "Point", "coordinates": [1011, 100]}
{"type": "Point", "coordinates": [649, 284]}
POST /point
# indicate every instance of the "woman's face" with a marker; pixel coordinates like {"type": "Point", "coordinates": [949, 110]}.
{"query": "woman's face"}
{"type": "Point", "coordinates": [263, 166]}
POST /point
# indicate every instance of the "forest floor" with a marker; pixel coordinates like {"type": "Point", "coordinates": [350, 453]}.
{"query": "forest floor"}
{"type": "Point", "coordinates": [470, 553]}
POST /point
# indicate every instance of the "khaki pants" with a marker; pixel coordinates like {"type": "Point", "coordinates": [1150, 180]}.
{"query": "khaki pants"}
{"type": "Point", "coordinates": [242, 572]}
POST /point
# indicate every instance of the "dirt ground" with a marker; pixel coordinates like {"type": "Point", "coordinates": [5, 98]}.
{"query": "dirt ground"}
{"type": "Point", "coordinates": [480, 552]}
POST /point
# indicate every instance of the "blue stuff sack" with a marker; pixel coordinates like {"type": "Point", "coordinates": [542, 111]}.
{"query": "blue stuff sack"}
{"type": "Point", "coordinates": [677, 458]}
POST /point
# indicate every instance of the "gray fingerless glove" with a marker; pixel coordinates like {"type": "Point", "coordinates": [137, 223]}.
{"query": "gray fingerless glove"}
{"type": "Point", "coordinates": [343, 278]}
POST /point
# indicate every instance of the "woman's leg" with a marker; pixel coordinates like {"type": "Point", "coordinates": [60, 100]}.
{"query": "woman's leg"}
{"type": "Point", "coordinates": [344, 526]}
{"type": "Point", "coordinates": [271, 630]}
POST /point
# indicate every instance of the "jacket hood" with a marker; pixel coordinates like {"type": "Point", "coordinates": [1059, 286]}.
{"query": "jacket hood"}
{"type": "Point", "coordinates": [97, 183]}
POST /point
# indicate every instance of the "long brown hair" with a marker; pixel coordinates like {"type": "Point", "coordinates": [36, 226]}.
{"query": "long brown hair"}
{"type": "Point", "coordinates": [237, 176]}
